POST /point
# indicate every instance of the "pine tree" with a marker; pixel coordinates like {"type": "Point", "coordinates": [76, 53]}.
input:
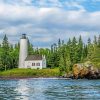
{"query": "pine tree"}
{"type": "Point", "coordinates": [59, 43]}
{"type": "Point", "coordinates": [90, 49]}
{"type": "Point", "coordinates": [73, 51]}
{"type": "Point", "coordinates": [84, 52]}
{"type": "Point", "coordinates": [95, 40]}
{"type": "Point", "coordinates": [30, 48]}
{"type": "Point", "coordinates": [67, 60]}
{"type": "Point", "coordinates": [55, 47]}
{"type": "Point", "coordinates": [79, 50]}
{"type": "Point", "coordinates": [89, 41]}
{"type": "Point", "coordinates": [62, 42]}
{"type": "Point", "coordinates": [69, 42]}
{"type": "Point", "coordinates": [5, 44]}
{"type": "Point", "coordinates": [62, 67]}
{"type": "Point", "coordinates": [37, 50]}
{"type": "Point", "coordinates": [5, 53]}
{"type": "Point", "coordinates": [98, 41]}
{"type": "Point", "coordinates": [52, 49]}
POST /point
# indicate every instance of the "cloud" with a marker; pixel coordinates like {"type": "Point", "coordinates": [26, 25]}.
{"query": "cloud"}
{"type": "Point", "coordinates": [17, 2]}
{"type": "Point", "coordinates": [45, 23]}
{"type": "Point", "coordinates": [74, 5]}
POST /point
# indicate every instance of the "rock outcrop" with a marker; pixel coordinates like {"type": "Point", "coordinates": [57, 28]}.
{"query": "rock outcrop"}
{"type": "Point", "coordinates": [86, 70]}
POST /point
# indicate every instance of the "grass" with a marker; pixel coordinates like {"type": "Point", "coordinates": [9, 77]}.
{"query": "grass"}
{"type": "Point", "coordinates": [18, 73]}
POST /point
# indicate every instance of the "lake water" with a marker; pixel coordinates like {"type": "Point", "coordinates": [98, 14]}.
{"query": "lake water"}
{"type": "Point", "coordinates": [49, 89]}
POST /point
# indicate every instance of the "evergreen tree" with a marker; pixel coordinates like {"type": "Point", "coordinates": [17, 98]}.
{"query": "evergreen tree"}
{"type": "Point", "coordinates": [99, 41]}
{"type": "Point", "coordinates": [89, 41]}
{"type": "Point", "coordinates": [67, 60]}
{"type": "Point", "coordinates": [84, 52]}
{"type": "Point", "coordinates": [80, 50]}
{"type": "Point", "coordinates": [30, 48]}
{"type": "Point", "coordinates": [52, 49]}
{"type": "Point", "coordinates": [62, 42]}
{"type": "Point", "coordinates": [90, 49]}
{"type": "Point", "coordinates": [55, 47]}
{"type": "Point", "coordinates": [73, 51]}
{"type": "Point", "coordinates": [69, 42]}
{"type": "Point", "coordinates": [60, 55]}
{"type": "Point", "coordinates": [62, 67]}
{"type": "Point", "coordinates": [5, 53]}
{"type": "Point", "coordinates": [5, 44]}
{"type": "Point", "coordinates": [95, 40]}
{"type": "Point", "coordinates": [59, 43]}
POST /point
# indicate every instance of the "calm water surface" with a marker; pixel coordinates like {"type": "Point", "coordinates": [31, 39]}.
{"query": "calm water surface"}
{"type": "Point", "coordinates": [49, 89]}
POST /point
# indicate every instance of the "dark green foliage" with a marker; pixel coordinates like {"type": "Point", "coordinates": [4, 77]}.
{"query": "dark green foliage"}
{"type": "Point", "coordinates": [30, 48]}
{"type": "Point", "coordinates": [8, 55]}
{"type": "Point", "coordinates": [84, 52]}
{"type": "Point", "coordinates": [95, 40]}
{"type": "Point", "coordinates": [89, 41]}
{"type": "Point", "coordinates": [59, 43]}
{"type": "Point", "coordinates": [99, 41]}
{"type": "Point", "coordinates": [62, 66]}
{"type": "Point", "coordinates": [5, 53]}
{"type": "Point", "coordinates": [62, 55]}
{"type": "Point", "coordinates": [80, 50]}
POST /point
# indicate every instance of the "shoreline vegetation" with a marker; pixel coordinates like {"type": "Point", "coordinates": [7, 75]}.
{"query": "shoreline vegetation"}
{"type": "Point", "coordinates": [50, 74]}
{"type": "Point", "coordinates": [29, 73]}
{"type": "Point", "coordinates": [16, 73]}
{"type": "Point", "coordinates": [61, 58]}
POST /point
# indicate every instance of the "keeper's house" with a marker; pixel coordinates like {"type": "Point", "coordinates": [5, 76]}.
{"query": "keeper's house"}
{"type": "Point", "coordinates": [35, 62]}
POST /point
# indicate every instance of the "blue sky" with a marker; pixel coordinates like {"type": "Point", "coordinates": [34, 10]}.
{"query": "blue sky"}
{"type": "Point", "coordinates": [45, 21]}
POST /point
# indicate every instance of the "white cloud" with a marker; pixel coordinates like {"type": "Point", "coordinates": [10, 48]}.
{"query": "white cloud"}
{"type": "Point", "coordinates": [47, 24]}
{"type": "Point", "coordinates": [43, 39]}
{"type": "Point", "coordinates": [27, 1]}
{"type": "Point", "coordinates": [73, 5]}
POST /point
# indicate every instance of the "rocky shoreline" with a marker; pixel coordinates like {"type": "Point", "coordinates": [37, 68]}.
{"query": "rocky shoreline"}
{"type": "Point", "coordinates": [90, 76]}
{"type": "Point", "coordinates": [81, 71]}
{"type": "Point", "coordinates": [8, 78]}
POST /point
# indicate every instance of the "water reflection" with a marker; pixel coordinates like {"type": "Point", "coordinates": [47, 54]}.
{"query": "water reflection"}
{"type": "Point", "coordinates": [22, 90]}
{"type": "Point", "coordinates": [30, 89]}
{"type": "Point", "coordinates": [49, 89]}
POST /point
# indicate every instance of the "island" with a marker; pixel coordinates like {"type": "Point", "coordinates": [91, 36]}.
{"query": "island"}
{"type": "Point", "coordinates": [74, 59]}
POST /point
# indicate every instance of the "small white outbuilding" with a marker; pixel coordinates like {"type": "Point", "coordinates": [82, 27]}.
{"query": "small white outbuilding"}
{"type": "Point", "coordinates": [35, 62]}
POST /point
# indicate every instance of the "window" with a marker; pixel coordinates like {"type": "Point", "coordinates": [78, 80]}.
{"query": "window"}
{"type": "Point", "coordinates": [33, 64]}
{"type": "Point", "coordinates": [37, 64]}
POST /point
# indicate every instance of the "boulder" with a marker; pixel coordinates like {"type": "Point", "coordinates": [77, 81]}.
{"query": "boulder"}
{"type": "Point", "coordinates": [85, 70]}
{"type": "Point", "coordinates": [78, 70]}
{"type": "Point", "coordinates": [93, 74]}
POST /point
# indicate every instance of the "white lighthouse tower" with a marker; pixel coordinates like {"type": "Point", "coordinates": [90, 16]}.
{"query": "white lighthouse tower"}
{"type": "Point", "coordinates": [23, 51]}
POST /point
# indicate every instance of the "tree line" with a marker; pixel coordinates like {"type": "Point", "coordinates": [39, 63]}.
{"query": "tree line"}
{"type": "Point", "coordinates": [61, 54]}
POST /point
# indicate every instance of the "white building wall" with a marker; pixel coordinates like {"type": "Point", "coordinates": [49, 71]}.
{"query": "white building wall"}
{"type": "Point", "coordinates": [28, 64]}
{"type": "Point", "coordinates": [23, 52]}
{"type": "Point", "coordinates": [44, 63]}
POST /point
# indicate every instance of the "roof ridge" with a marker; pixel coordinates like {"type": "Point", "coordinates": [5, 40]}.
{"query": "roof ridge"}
{"type": "Point", "coordinates": [33, 57]}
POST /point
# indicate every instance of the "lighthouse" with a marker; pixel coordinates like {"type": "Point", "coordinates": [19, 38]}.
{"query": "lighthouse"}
{"type": "Point", "coordinates": [23, 52]}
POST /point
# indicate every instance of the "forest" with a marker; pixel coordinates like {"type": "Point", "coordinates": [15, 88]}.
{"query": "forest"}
{"type": "Point", "coordinates": [62, 55]}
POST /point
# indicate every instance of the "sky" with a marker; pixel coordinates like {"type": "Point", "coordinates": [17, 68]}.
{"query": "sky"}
{"type": "Point", "coordinates": [45, 21]}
